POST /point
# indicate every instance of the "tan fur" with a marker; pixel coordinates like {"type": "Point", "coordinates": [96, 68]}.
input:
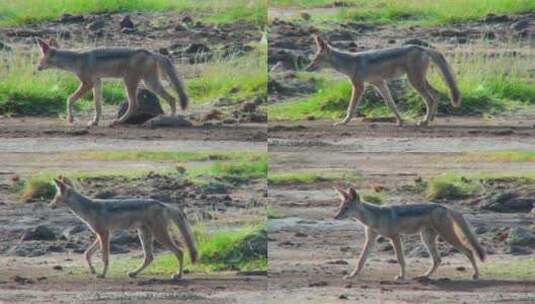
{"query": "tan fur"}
{"type": "Point", "coordinates": [152, 219]}
{"type": "Point", "coordinates": [377, 66]}
{"type": "Point", "coordinates": [132, 65]}
{"type": "Point", "coordinates": [430, 220]}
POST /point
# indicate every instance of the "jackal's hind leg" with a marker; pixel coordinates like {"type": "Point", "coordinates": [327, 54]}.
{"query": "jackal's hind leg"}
{"type": "Point", "coordinates": [88, 253]}
{"type": "Point", "coordinates": [97, 97]}
{"type": "Point", "coordinates": [420, 84]}
{"type": "Point", "coordinates": [434, 94]}
{"type": "Point", "coordinates": [154, 84]}
{"type": "Point", "coordinates": [429, 237]}
{"type": "Point", "coordinates": [163, 237]}
{"type": "Point", "coordinates": [368, 246]}
{"type": "Point", "coordinates": [145, 237]}
{"type": "Point", "coordinates": [131, 92]}
{"type": "Point", "coordinates": [356, 93]}
{"type": "Point", "coordinates": [448, 234]}
{"type": "Point", "coordinates": [383, 89]}
{"type": "Point", "coordinates": [398, 248]}
{"type": "Point", "coordinates": [104, 240]}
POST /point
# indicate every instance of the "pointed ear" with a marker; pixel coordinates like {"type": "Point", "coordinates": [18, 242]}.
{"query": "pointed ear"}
{"type": "Point", "coordinates": [322, 45]}
{"type": "Point", "coordinates": [341, 192]}
{"type": "Point", "coordinates": [53, 43]}
{"type": "Point", "coordinates": [59, 184]}
{"type": "Point", "coordinates": [43, 46]}
{"type": "Point", "coordinates": [353, 193]}
{"type": "Point", "coordinates": [67, 181]}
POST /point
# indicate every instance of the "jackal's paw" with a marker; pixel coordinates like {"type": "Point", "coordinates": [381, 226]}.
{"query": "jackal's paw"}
{"type": "Point", "coordinates": [475, 276]}
{"type": "Point", "coordinates": [340, 123]}
{"type": "Point", "coordinates": [176, 277]}
{"type": "Point", "coordinates": [422, 123]}
{"type": "Point", "coordinates": [400, 279]}
{"type": "Point", "coordinates": [349, 276]}
{"type": "Point", "coordinates": [399, 123]}
{"type": "Point", "coordinates": [114, 123]}
{"type": "Point", "coordinates": [131, 274]}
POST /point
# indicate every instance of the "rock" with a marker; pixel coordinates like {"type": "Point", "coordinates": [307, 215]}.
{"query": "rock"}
{"type": "Point", "coordinates": [127, 30]}
{"type": "Point", "coordinates": [95, 25]}
{"type": "Point", "coordinates": [187, 19]}
{"type": "Point", "coordinates": [248, 107]}
{"type": "Point", "coordinates": [123, 237]}
{"type": "Point", "coordinates": [148, 107]}
{"type": "Point", "coordinates": [22, 280]}
{"type": "Point", "coordinates": [68, 18]}
{"type": "Point", "coordinates": [117, 249]}
{"type": "Point", "coordinates": [212, 115]}
{"type": "Point", "coordinates": [178, 121]}
{"type": "Point", "coordinates": [32, 249]}
{"type": "Point", "coordinates": [126, 23]}
{"type": "Point", "coordinates": [519, 250]}
{"type": "Point", "coordinates": [71, 231]}
{"type": "Point", "coordinates": [520, 236]}
{"type": "Point", "coordinates": [23, 33]}
{"type": "Point", "coordinates": [195, 48]}
{"type": "Point", "coordinates": [489, 35]}
{"type": "Point", "coordinates": [57, 267]}
{"type": "Point", "coordinates": [520, 25]}
{"type": "Point", "coordinates": [216, 187]}
{"type": "Point", "coordinates": [318, 284]}
{"type": "Point", "coordinates": [508, 202]}
{"type": "Point", "coordinates": [39, 233]}
{"type": "Point", "coordinates": [419, 252]}
{"type": "Point", "coordinates": [493, 18]}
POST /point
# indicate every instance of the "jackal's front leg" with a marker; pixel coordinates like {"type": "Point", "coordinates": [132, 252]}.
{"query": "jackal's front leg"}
{"type": "Point", "coordinates": [368, 246]}
{"type": "Point", "coordinates": [356, 93]}
{"type": "Point", "coordinates": [97, 97]}
{"type": "Point", "coordinates": [82, 89]}
{"type": "Point", "coordinates": [104, 241]}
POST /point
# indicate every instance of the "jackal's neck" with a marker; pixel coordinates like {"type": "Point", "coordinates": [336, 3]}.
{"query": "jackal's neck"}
{"type": "Point", "coordinates": [79, 203]}
{"type": "Point", "coordinates": [342, 62]}
{"type": "Point", "coordinates": [367, 213]}
{"type": "Point", "coordinates": [67, 60]}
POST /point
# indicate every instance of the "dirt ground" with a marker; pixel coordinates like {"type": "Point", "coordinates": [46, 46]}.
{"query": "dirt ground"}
{"type": "Point", "coordinates": [310, 252]}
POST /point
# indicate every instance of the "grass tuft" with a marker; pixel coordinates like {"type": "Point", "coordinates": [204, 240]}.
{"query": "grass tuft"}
{"type": "Point", "coordinates": [451, 186]}
{"type": "Point", "coordinates": [305, 177]}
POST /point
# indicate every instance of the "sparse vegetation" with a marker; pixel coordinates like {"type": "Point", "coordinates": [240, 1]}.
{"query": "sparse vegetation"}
{"type": "Point", "coordinates": [451, 186]}
{"type": "Point", "coordinates": [373, 197]}
{"type": "Point", "coordinates": [242, 249]}
{"type": "Point", "coordinates": [254, 168]}
{"type": "Point", "coordinates": [520, 270]}
{"type": "Point", "coordinates": [161, 156]}
{"type": "Point", "coordinates": [31, 11]}
{"type": "Point", "coordinates": [306, 177]}
{"type": "Point", "coordinates": [502, 156]}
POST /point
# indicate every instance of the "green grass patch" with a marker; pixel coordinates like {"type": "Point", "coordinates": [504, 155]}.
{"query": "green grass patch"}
{"type": "Point", "coordinates": [521, 270]}
{"type": "Point", "coordinates": [430, 12]}
{"type": "Point", "coordinates": [451, 186]}
{"type": "Point", "coordinates": [218, 11]}
{"type": "Point", "coordinates": [242, 249]}
{"type": "Point", "coordinates": [501, 156]}
{"type": "Point", "coordinates": [242, 77]}
{"type": "Point", "coordinates": [372, 197]}
{"type": "Point", "coordinates": [163, 156]}
{"type": "Point", "coordinates": [242, 170]}
{"type": "Point", "coordinates": [489, 83]}
{"type": "Point", "coordinates": [306, 177]}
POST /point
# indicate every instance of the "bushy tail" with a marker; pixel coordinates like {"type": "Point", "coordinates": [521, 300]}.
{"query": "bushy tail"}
{"type": "Point", "coordinates": [467, 234]}
{"type": "Point", "coordinates": [183, 226]}
{"type": "Point", "coordinates": [167, 66]}
{"type": "Point", "coordinates": [445, 69]}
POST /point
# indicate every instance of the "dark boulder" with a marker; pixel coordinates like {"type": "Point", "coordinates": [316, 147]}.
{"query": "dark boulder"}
{"type": "Point", "coordinates": [148, 107]}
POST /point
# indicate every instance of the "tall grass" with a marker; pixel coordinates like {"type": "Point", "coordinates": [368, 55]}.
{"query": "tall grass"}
{"type": "Point", "coordinates": [31, 11]}
{"type": "Point", "coordinates": [490, 82]}
{"type": "Point", "coordinates": [430, 12]}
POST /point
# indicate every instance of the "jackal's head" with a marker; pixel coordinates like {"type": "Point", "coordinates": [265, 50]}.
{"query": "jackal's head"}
{"type": "Point", "coordinates": [48, 52]}
{"type": "Point", "coordinates": [64, 189]}
{"type": "Point", "coordinates": [349, 202]}
{"type": "Point", "coordinates": [322, 54]}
